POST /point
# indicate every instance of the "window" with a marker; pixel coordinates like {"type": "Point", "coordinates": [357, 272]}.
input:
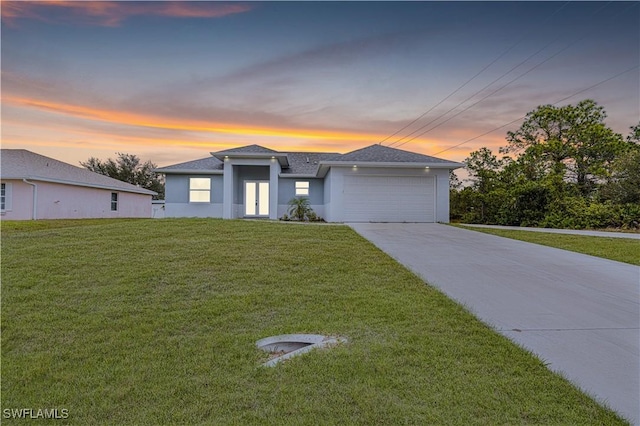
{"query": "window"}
{"type": "Point", "coordinates": [199, 190]}
{"type": "Point", "coordinates": [114, 201]}
{"type": "Point", "coordinates": [302, 188]}
{"type": "Point", "coordinates": [3, 196]}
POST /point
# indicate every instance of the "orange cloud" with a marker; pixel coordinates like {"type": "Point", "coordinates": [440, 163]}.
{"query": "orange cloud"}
{"type": "Point", "coordinates": [111, 13]}
{"type": "Point", "coordinates": [168, 123]}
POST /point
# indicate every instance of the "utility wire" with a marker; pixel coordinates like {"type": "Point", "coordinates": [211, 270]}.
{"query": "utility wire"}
{"type": "Point", "coordinates": [587, 34]}
{"type": "Point", "coordinates": [524, 116]}
{"type": "Point", "coordinates": [472, 78]}
{"type": "Point", "coordinates": [486, 96]}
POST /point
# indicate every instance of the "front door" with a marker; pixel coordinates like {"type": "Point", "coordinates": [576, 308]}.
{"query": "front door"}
{"type": "Point", "coordinates": [256, 198]}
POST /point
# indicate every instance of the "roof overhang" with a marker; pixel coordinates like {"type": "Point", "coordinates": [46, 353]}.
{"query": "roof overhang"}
{"type": "Point", "coordinates": [134, 190]}
{"type": "Point", "coordinates": [282, 158]}
{"type": "Point", "coordinates": [298, 175]}
{"type": "Point", "coordinates": [188, 171]}
{"type": "Point", "coordinates": [324, 166]}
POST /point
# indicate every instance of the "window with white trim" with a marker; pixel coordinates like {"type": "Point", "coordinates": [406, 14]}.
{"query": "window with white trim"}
{"type": "Point", "coordinates": [3, 196]}
{"type": "Point", "coordinates": [302, 188]}
{"type": "Point", "coordinates": [114, 201]}
{"type": "Point", "coordinates": [199, 190]}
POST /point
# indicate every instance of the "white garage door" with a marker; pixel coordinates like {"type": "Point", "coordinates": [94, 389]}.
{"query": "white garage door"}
{"type": "Point", "coordinates": [389, 199]}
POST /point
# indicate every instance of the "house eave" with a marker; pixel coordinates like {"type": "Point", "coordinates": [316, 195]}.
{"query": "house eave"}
{"type": "Point", "coordinates": [298, 175]}
{"type": "Point", "coordinates": [324, 166]}
{"type": "Point", "coordinates": [282, 158]}
{"type": "Point", "coordinates": [393, 164]}
{"type": "Point", "coordinates": [83, 184]}
{"type": "Point", "coordinates": [188, 171]}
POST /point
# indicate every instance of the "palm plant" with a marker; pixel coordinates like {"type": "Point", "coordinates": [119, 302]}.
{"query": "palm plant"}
{"type": "Point", "coordinates": [299, 208]}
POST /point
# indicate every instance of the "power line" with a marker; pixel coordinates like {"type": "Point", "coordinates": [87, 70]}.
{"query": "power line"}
{"type": "Point", "coordinates": [486, 96]}
{"type": "Point", "coordinates": [524, 116]}
{"type": "Point", "coordinates": [488, 85]}
{"type": "Point", "coordinates": [471, 79]}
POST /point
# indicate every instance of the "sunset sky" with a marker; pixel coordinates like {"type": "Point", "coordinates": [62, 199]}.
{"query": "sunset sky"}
{"type": "Point", "coordinates": [173, 81]}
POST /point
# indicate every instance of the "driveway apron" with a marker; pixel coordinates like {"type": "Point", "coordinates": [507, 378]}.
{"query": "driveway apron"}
{"type": "Point", "coordinates": [578, 313]}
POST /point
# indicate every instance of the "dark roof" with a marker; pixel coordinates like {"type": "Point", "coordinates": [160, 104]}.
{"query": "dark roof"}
{"type": "Point", "coordinates": [385, 154]}
{"type": "Point", "coordinates": [303, 163]}
{"type": "Point", "coordinates": [249, 149]}
{"type": "Point", "coordinates": [23, 164]}
{"type": "Point", "coordinates": [209, 163]}
{"type": "Point", "coordinates": [307, 163]}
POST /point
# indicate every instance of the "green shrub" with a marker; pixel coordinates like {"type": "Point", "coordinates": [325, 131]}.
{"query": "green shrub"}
{"type": "Point", "coordinates": [299, 208]}
{"type": "Point", "coordinates": [577, 213]}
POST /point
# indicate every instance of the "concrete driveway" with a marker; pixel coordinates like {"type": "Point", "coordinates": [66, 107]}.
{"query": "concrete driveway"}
{"type": "Point", "coordinates": [579, 313]}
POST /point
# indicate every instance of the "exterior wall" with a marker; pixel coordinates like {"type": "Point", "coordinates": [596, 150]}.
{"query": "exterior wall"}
{"type": "Point", "coordinates": [243, 173]}
{"type": "Point", "coordinates": [21, 201]}
{"type": "Point", "coordinates": [177, 197]}
{"type": "Point", "coordinates": [325, 195]}
{"type": "Point", "coordinates": [236, 172]}
{"type": "Point", "coordinates": [334, 184]}
{"type": "Point", "coordinates": [442, 195]}
{"type": "Point", "coordinates": [192, 210]}
{"type": "Point", "coordinates": [57, 201]}
{"type": "Point", "coordinates": [328, 212]}
{"type": "Point", "coordinates": [177, 188]}
{"type": "Point", "coordinates": [287, 191]}
{"type": "Point", "coordinates": [334, 210]}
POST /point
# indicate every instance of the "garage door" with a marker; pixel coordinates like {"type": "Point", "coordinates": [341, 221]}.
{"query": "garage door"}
{"type": "Point", "coordinates": [389, 199]}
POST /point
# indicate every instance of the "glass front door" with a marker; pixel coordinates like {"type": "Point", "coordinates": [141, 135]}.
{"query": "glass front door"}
{"type": "Point", "coordinates": [256, 198]}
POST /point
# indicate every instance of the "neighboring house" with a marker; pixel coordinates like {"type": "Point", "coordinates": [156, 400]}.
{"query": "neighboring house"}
{"type": "Point", "coordinates": [37, 187]}
{"type": "Point", "coordinates": [373, 184]}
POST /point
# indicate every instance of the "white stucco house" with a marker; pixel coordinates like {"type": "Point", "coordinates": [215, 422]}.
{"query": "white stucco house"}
{"type": "Point", "coordinates": [33, 186]}
{"type": "Point", "coordinates": [372, 184]}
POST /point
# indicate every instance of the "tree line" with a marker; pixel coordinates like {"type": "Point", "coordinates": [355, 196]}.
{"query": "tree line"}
{"type": "Point", "coordinates": [563, 168]}
{"type": "Point", "coordinates": [129, 168]}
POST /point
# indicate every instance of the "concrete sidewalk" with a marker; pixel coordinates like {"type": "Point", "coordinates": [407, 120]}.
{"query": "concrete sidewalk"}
{"type": "Point", "coordinates": [579, 313]}
{"type": "Point", "coordinates": [563, 231]}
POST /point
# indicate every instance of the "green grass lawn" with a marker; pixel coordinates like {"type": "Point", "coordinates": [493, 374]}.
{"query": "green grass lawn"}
{"type": "Point", "coordinates": [155, 322]}
{"type": "Point", "coordinates": [619, 249]}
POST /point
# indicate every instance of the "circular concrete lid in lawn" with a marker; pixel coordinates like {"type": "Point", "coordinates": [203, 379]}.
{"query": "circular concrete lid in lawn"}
{"type": "Point", "coordinates": [285, 346]}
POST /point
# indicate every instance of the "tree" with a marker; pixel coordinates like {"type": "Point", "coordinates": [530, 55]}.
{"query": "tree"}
{"type": "Point", "coordinates": [623, 185]}
{"type": "Point", "coordinates": [128, 168]}
{"type": "Point", "coordinates": [484, 169]}
{"type": "Point", "coordinates": [634, 136]}
{"type": "Point", "coordinates": [563, 168]}
{"type": "Point", "coordinates": [571, 142]}
{"type": "Point", "coordinates": [454, 181]}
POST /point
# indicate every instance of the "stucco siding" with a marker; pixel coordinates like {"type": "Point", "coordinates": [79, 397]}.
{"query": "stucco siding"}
{"type": "Point", "coordinates": [442, 195]}
{"type": "Point", "coordinates": [58, 201]}
{"type": "Point", "coordinates": [327, 197]}
{"type": "Point", "coordinates": [287, 190]}
{"type": "Point", "coordinates": [21, 201]}
{"type": "Point", "coordinates": [193, 210]}
{"type": "Point", "coordinates": [177, 197]}
{"type": "Point", "coordinates": [334, 210]}
{"type": "Point", "coordinates": [177, 188]}
{"type": "Point", "coordinates": [245, 173]}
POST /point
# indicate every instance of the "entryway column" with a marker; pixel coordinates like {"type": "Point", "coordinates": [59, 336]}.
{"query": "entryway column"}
{"type": "Point", "coordinates": [274, 171]}
{"type": "Point", "coordinates": [227, 190]}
